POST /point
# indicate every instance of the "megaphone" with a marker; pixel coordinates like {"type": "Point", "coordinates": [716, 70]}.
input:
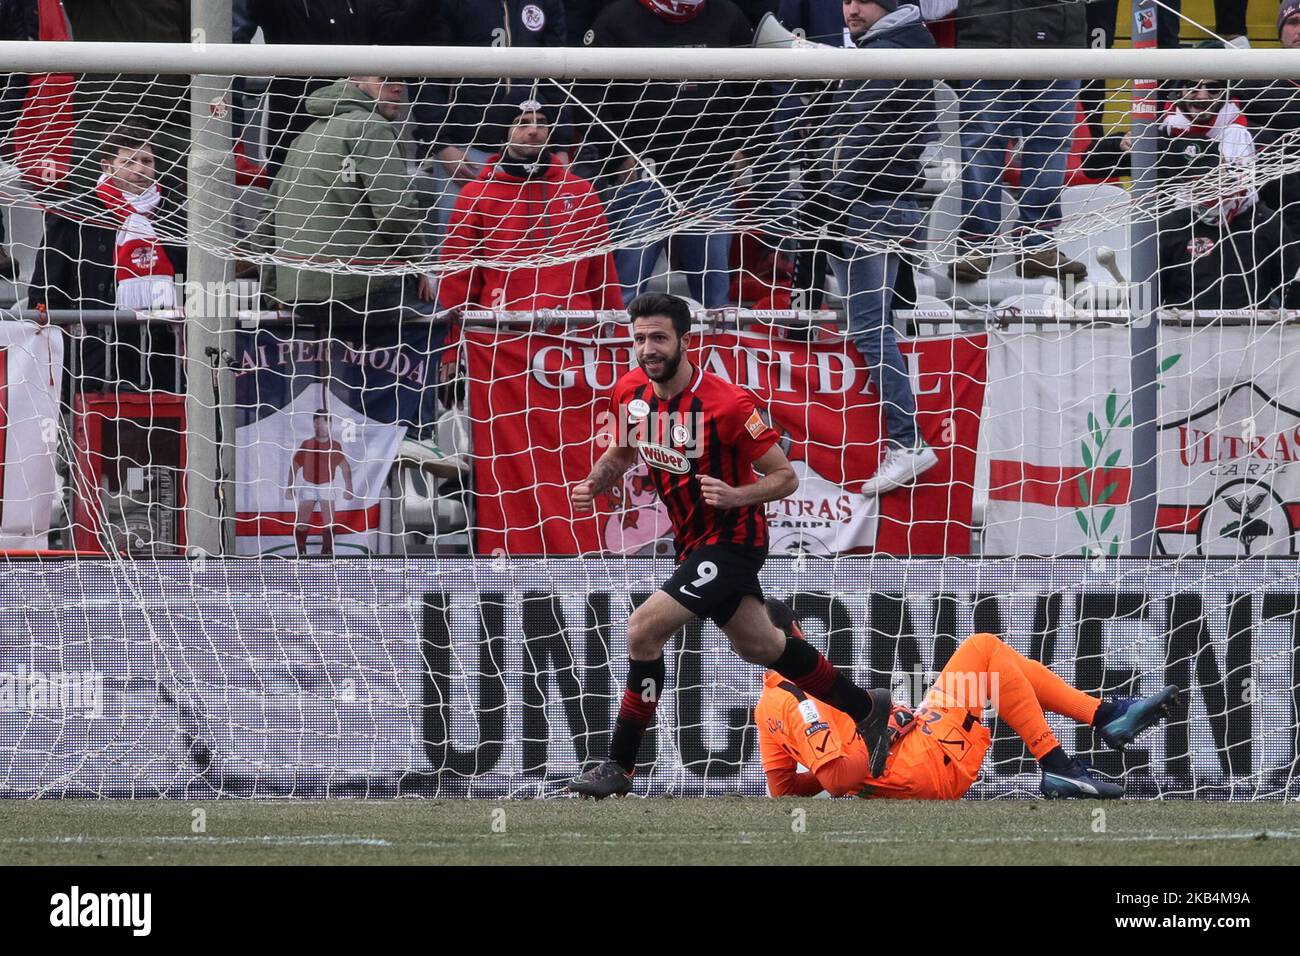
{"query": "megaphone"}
{"type": "Point", "coordinates": [770, 34]}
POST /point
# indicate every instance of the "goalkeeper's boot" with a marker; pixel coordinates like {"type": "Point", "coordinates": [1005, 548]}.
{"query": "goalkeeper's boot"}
{"type": "Point", "coordinates": [874, 730]}
{"type": "Point", "coordinates": [605, 780]}
{"type": "Point", "coordinates": [1077, 782]}
{"type": "Point", "coordinates": [1134, 715]}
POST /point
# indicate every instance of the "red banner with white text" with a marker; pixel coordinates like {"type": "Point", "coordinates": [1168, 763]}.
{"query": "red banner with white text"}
{"type": "Point", "coordinates": [536, 401]}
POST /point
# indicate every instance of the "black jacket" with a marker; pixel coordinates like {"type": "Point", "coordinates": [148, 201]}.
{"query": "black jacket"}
{"type": "Point", "coordinates": [580, 16]}
{"type": "Point", "coordinates": [871, 144]}
{"type": "Point", "coordinates": [74, 270]}
{"type": "Point", "coordinates": [687, 131]}
{"type": "Point", "coordinates": [18, 20]}
{"type": "Point", "coordinates": [455, 112]}
{"type": "Point", "coordinates": [306, 21]}
{"type": "Point", "coordinates": [1273, 111]}
{"type": "Point", "coordinates": [143, 21]}
{"type": "Point", "coordinates": [1021, 24]}
{"type": "Point", "coordinates": [1249, 263]}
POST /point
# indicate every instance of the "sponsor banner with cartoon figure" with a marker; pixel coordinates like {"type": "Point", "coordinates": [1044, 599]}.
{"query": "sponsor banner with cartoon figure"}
{"type": "Point", "coordinates": [1229, 442]}
{"type": "Point", "coordinates": [539, 402]}
{"type": "Point", "coordinates": [318, 427]}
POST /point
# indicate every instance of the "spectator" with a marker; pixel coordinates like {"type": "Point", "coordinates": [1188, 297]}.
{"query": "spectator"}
{"type": "Point", "coordinates": [452, 115]}
{"type": "Point", "coordinates": [1198, 115]}
{"type": "Point", "coordinates": [1225, 249]}
{"type": "Point", "coordinates": [818, 21]}
{"type": "Point", "coordinates": [85, 265]}
{"type": "Point", "coordinates": [343, 198]}
{"type": "Point", "coordinates": [673, 145]}
{"type": "Point", "coordinates": [881, 126]}
{"type": "Point", "coordinates": [1040, 112]}
{"type": "Point", "coordinates": [1273, 109]}
{"type": "Point", "coordinates": [1203, 119]}
{"type": "Point", "coordinates": [526, 206]}
{"type": "Point", "coordinates": [1229, 251]}
{"type": "Point", "coordinates": [334, 22]}
{"type": "Point", "coordinates": [128, 189]}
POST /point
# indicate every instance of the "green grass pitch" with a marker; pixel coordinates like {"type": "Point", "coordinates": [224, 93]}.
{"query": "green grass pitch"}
{"type": "Point", "coordinates": [725, 830]}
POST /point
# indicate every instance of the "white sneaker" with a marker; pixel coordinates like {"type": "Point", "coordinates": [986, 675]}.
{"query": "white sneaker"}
{"type": "Point", "coordinates": [902, 466]}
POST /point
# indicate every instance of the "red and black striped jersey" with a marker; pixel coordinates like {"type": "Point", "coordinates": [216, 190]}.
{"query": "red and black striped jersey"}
{"type": "Point", "coordinates": [711, 428]}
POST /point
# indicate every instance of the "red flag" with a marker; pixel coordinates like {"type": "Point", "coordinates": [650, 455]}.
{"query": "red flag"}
{"type": "Point", "coordinates": [42, 136]}
{"type": "Point", "coordinates": [536, 402]}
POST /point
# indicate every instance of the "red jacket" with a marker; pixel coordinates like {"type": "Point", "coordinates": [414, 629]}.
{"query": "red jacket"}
{"type": "Point", "coordinates": [502, 218]}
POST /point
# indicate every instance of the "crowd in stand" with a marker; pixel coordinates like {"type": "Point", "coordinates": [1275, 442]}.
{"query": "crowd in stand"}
{"type": "Point", "coordinates": [486, 173]}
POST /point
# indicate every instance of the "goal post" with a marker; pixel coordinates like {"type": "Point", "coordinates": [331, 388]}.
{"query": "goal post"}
{"type": "Point", "coordinates": [579, 63]}
{"type": "Point", "coordinates": [303, 517]}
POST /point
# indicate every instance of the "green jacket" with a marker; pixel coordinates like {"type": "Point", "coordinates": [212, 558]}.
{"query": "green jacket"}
{"type": "Point", "coordinates": [342, 196]}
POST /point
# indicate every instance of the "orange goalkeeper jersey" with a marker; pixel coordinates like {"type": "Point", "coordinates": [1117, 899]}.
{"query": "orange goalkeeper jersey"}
{"type": "Point", "coordinates": [936, 754]}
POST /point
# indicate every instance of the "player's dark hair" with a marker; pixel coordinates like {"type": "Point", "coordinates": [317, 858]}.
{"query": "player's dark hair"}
{"type": "Point", "coordinates": [321, 413]}
{"type": "Point", "coordinates": [782, 615]}
{"type": "Point", "coordinates": [660, 303]}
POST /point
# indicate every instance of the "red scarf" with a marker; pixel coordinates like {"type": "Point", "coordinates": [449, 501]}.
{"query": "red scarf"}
{"type": "Point", "coordinates": [676, 11]}
{"type": "Point", "coordinates": [144, 273]}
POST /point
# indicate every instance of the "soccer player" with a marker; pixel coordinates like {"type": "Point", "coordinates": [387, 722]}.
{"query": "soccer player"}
{"type": "Point", "coordinates": [703, 440]}
{"type": "Point", "coordinates": [936, 751]}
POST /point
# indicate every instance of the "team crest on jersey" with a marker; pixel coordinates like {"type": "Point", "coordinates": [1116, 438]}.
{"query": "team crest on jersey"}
{"type": "Point", "coordinates": [1200, 246]}
{"type": "Point", "coordinates": [681, 435]}
{"type": "Point", "coordinates": [533, 17]}
{"type": "Point", "coordinates": [665, 459]}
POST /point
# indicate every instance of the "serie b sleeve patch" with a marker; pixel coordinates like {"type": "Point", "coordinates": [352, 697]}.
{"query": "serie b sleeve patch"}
{"type": "Point", "coordinates": [755, 424]}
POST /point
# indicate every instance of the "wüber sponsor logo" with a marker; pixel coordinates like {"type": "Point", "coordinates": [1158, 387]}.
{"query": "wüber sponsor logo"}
{"type": "Point", "coordinates": [77, 909]}
{"type": "Point", "coordinates": [666, 459]}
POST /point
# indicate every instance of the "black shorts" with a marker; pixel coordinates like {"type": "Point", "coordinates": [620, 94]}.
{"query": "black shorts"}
{"type": "Point", "coordinates": [713, 580]}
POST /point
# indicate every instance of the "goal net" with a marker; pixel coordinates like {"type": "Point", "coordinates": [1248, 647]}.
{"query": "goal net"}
{"type": "Point", "coordinates": [298, 372]}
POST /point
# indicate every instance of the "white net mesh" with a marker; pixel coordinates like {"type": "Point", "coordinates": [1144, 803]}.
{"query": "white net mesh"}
{"type": "Point", "coordinates": [417, 310]}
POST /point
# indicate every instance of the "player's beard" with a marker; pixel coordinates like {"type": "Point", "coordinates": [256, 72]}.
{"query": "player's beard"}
{"type": "Point", "coordinates": [667, 370]}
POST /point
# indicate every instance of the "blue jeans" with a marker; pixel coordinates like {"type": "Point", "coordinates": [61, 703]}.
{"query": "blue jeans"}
{"type": "Point", "coordinates": [869, 275]}
{"type": "Point", "coordinates": [641, 206]}
{"type": "Point", "coordinates": [993, 112]}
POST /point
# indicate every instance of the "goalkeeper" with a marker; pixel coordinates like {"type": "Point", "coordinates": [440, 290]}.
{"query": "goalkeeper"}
{"type": "Point", "coordinates": [936, 751]}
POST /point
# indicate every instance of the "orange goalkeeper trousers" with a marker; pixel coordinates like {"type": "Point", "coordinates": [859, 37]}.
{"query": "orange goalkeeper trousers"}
{"type": "Point", "coordinates": [940, 757]}
{"type": "Point", "coordinates": [1019, 690]}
